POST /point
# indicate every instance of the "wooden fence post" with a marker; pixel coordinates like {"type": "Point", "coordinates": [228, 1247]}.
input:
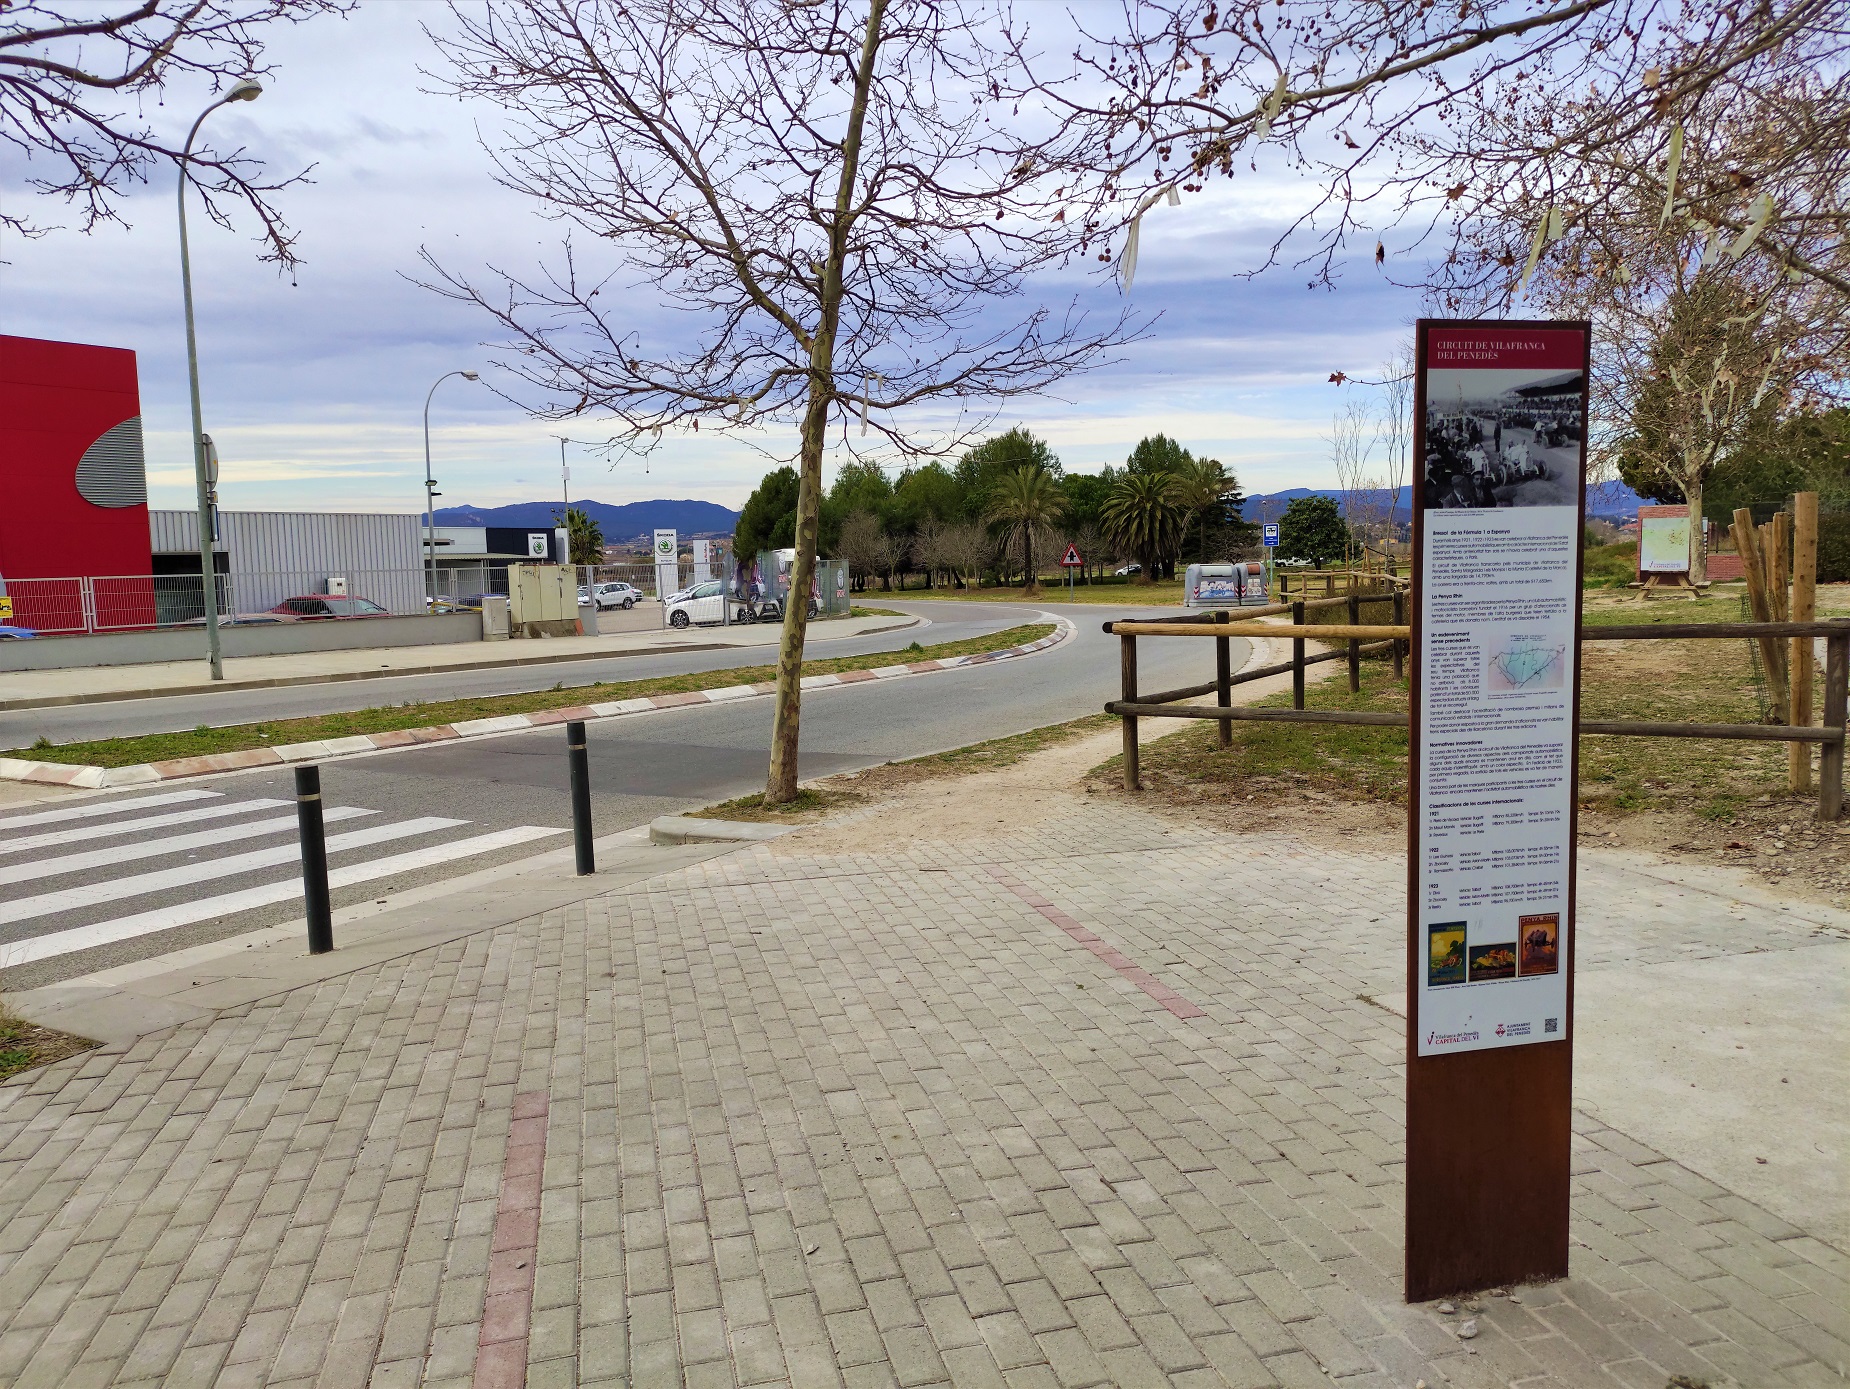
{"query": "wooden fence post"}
{"type": "Point", "coordinates": [1223, 679]}
{"type": "Point", "coordinates": [1831, 759]}
{"type": "Point", "coordinates": [1804, 609]}
{"type": "Point", "coordinates": [1297, 657]}
{"type": "Point", "coordinates": [1754, 568]}
{"type": "Point", "coordinates": [1355, 645]}
{"type": "Point", "coordinates": [1400, 620]}
{"type": "Point", "coordinates": [1127, 669]}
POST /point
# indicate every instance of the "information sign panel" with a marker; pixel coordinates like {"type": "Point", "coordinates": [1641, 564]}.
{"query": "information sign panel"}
{"type": "Point", "coordinates": [1271, 535]}
{"type": "Point", "coordinates": [1499, 513]}
{"type": "Point", "coordinates": [1663, 540]}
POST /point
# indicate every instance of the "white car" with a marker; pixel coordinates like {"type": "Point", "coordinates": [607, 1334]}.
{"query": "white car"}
{"type": "Point", "coordinates": [704, 604]}
{"type": "Point", "coordinates": [611, 595]}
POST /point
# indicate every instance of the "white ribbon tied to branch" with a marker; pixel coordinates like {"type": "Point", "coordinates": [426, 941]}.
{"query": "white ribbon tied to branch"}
{"type": "Point", "coordinates": [1547, 231]}
{"type": "Point", "coordinates": [1128, 261]}
{"type": "Point", "coordinates": [1671, 165]}
{"type": "Point", "coordinates": [1759, 213]}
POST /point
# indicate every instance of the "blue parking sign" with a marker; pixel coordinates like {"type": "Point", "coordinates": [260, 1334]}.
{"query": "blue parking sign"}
{"type": "Point", "coordinates": [1271, 536]}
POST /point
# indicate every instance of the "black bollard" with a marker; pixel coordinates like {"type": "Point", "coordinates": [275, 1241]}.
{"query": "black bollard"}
{"type": "Point", "coordinates": [314, 860]}
{"type": "Point", "coordinates": [580, 756]}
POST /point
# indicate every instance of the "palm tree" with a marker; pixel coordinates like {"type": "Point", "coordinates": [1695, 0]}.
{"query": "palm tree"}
{"type": "Point", "coordinates": [1021, 501]}
{"type": "Point", "coordinates": [1202, 485]}
{"type": "Point", "coordinates": [583, 536]}
{"type": "Point", "coordinates": [1144, 515]}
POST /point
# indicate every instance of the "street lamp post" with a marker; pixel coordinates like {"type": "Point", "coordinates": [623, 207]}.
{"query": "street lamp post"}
{"type": "Point", "coordinates": [430, 489]}
{"type": "Point", "coordinates": [247, 90]}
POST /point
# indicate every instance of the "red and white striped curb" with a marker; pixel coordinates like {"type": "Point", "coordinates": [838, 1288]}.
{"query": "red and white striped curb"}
{"type": "Point", "coordinates": [73, 774]}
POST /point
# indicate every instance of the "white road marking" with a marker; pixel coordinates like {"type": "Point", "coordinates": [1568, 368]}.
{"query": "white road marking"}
{"type": "Point", "coordinates": [53, 838]}
{"type": "Point", "coordinates": [84, 812]}
{"type": "Point", "coordinates": [135, 885]}
{"type": "Point", "coordinates": [168, 844]}
{"type": "Point", "coordinates": [205, 909]}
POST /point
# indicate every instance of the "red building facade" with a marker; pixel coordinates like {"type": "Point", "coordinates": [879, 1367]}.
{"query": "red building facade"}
{"type": "Point", "coordinates": [74, 548]}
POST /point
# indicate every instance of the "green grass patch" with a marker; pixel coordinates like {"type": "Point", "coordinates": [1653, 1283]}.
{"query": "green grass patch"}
{"type": "Point", "coordinates": [858, 611]}
{"type": "Point", "coordinates": [1610, 566]}
{"type": "Point", "coordinates": [159, 747]}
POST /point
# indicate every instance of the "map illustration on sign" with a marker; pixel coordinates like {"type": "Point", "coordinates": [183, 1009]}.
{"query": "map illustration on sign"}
{"type": "Point", "coordinates": [1526, 665]}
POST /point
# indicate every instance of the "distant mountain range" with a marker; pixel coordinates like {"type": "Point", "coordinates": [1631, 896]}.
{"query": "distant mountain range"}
{"type": "Point", "coordinates": [619, 523]}
{"type": "Point", "coordinates": [1607, 499]}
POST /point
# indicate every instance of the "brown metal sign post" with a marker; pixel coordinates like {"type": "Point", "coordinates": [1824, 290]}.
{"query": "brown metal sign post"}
{"type": "Point", "coordinates": [1500, 428]}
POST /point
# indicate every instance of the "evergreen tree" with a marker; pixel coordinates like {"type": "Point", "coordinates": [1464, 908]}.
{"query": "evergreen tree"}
{"type": "Point", "coordinates": [1312, 529]}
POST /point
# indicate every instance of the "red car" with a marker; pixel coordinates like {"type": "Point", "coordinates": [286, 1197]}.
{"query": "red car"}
{"type": "Point", "coordinates": [316, 605]}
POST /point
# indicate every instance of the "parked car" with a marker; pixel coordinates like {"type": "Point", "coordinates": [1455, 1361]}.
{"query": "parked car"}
{"type": "Point", "coordinates": [262, 619]}
{"type": "Point", "coordinates": [1128, 570]}
{"type": "Point", "coordinates": [8, 632]}
{"type": "Point", "coordinates": [610, 595]}
{"type": "Point", "coordinates": [325, 605]}
{"type": "Point", "coordinates": [704, 604]}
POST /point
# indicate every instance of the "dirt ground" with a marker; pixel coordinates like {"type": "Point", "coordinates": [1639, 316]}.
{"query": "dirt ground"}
{"type": "Point", "coordinates": [1776, 838]}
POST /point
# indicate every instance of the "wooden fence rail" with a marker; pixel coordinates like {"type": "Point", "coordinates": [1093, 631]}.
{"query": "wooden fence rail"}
{"type": "Point", "coordinates": [1359, 638]}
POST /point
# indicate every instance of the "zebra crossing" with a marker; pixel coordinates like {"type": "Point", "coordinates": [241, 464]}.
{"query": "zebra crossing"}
{"type": "Point", "coordinates": [106, 872]}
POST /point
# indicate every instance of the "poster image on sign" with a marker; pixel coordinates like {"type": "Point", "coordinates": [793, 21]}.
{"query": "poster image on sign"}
{"type": "Point", "coordinates": [1509, 437]}
{"type": "Point", "coordinates": [1495, 961]}
{"type": "Point", "coordinates": [1445, 953]}
{"type": "Point", "coordinates": [1538, 944]}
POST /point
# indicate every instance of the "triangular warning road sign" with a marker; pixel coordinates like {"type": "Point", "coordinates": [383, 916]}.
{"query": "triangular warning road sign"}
{"type": "Point", "coordinates": [1071, 560]}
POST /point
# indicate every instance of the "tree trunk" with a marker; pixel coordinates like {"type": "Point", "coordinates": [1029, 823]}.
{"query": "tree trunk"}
{"type": "Point", "coordinates": [1698, 562]}
{"type": "Point", "coordinates": [781, 780]}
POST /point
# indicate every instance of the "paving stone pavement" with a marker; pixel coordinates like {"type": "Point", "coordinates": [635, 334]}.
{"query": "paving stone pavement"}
{"type": "Point", "coordinates": [870, 1119]}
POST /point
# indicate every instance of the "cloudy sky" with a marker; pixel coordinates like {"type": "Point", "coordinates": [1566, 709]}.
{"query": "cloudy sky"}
{"type": "Point", "coordinates": [314, 391]}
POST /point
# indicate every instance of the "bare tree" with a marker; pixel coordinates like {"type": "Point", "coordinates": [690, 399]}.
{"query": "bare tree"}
{"type": "Point", "coordinates": [1394, 431]}
{"type": "Point", "coordinates": [967, 548]}
{"type": "Point", "coordinates": [1743, 137]}
{"type": "Point", "coordinates": [821, 192]}
{"type": "Point", "coordinates": [860, 544]}
{"type": "Point", "coordinates": [1706, 248]}
{"type": "Point", "coordinates": [890, 552]}
{"type": "Point", "coordinates": [74, 77]}
{"type": "Point", "coordinates": [1386, 108]}
{"type": "Point", "coordinates": [1352, 442]}
{"type": "Point", "coordinates": [928, 550]}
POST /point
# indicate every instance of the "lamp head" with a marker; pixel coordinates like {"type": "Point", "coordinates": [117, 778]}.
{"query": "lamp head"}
{"type": "Point", "coordinates": [246, 89]}
{"type": "Point", "coordinates": [471, 375]}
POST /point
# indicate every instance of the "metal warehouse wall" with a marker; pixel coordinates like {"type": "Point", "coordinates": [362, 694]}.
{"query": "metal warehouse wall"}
{"type": "Point", "coordinates": [278, 554]}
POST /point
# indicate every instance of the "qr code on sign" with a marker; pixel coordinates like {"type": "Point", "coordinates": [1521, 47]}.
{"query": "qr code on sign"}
{"type": "Point", "coordinates": [1551, 1024]}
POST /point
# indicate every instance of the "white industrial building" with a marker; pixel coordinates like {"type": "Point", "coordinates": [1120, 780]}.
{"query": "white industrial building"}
{"type": "Point", "coordinates": [268, 556]}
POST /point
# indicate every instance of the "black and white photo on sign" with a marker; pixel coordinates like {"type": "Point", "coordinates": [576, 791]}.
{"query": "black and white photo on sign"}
{"type": "Point", "coordinates": [1503, 438]}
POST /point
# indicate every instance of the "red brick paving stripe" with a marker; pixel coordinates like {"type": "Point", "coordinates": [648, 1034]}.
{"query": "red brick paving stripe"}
{"type": "Point", "coordinates": [674, 701]}
{"type": "Point", "coordinates": [854, 677]}
{"type": "Point", "coordinates": [501, 1348]}
{"type": "Point", "coordinates": [1102, 948]}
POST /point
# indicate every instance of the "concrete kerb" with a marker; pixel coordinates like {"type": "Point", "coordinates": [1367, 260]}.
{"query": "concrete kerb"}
{"type": "Point", "coordinates": [338, 677]}
{"type": "Point", "coordinates": [85, 777]}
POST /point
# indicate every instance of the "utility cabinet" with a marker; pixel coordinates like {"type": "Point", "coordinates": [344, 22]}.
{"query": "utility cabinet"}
{"type": "Point", "coordinates": [542, 600]}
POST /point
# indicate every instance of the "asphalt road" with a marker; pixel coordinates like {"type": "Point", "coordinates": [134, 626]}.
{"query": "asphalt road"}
{"type": "Point", "coordinates": [128, 718]}
{"type": "Point", "coordinates": [641, 767]}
